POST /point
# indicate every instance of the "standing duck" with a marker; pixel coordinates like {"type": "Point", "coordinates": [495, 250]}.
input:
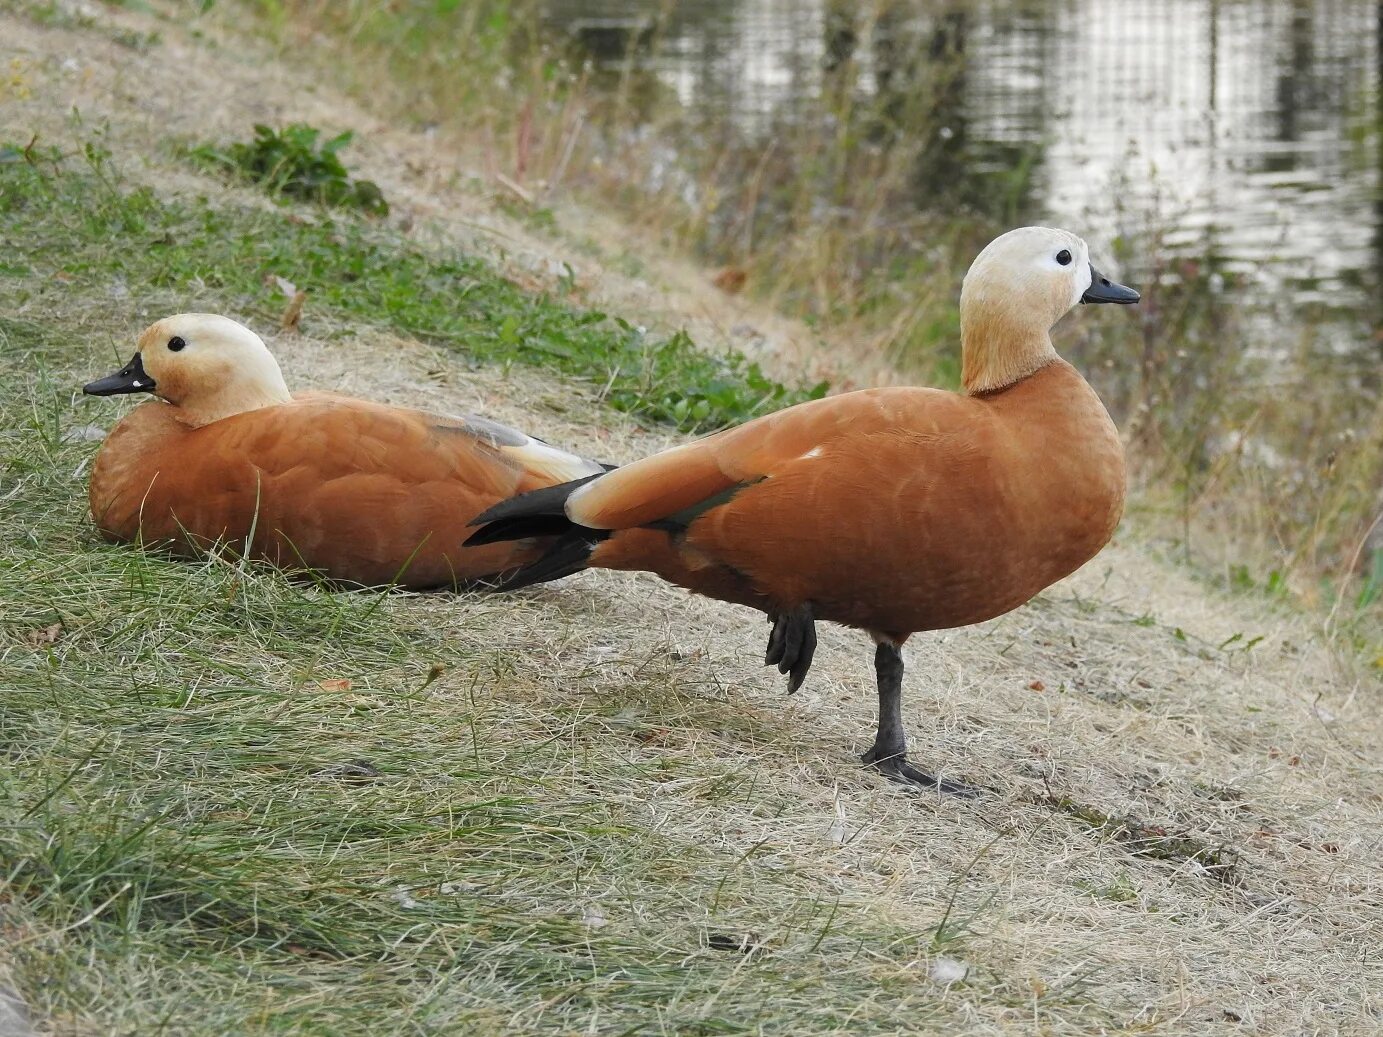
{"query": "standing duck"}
{"type": "Point", "coordinates": [893, 510]}
{"type": "Point", "coordinates": [361, 492]}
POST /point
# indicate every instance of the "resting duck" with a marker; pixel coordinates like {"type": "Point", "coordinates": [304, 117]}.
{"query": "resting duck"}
{"type": "Point", "coordinates": [892, 510]}
{"type": "Point", "coordinates": [360, 492]}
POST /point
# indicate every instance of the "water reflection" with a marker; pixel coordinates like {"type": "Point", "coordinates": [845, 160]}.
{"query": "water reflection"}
{"type": "Point", "coordinates": [1253, 128]}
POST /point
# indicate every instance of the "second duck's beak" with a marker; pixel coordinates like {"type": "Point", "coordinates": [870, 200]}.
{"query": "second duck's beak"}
{"type": "Point", "coordinates": [130, 378]}
{"type": "Point", "coordinates": [1102, 289]}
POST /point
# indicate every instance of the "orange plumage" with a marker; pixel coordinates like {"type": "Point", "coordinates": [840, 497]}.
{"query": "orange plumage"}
{"type": "Point", "coordinates": [893, 510]}
{"type": "Point", "coordinates": [360, 492]}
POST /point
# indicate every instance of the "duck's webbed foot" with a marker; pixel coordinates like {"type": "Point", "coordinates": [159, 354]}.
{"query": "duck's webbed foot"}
{"type": "Point", "coordinates": [895, 767]}
{"type": "Point", "coordinates": [888, 754]}
{"type": "Point", "coordinates": [792, 643]}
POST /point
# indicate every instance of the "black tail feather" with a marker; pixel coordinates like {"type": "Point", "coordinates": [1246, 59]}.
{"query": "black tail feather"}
{"type": "Point", "coordinates": [536, 513]}
{"type": "Point", "coordinates": [539, 513]}
{"type": "Point", "coordinates": [520, 527]}
{"type": "Point", "coordinates": [568, 554]}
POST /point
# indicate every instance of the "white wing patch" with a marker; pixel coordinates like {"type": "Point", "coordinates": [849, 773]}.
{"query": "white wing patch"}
{"type": "Point", "coordinates": [558, 465]}
{"type": "Point", "coordinates": [523, 450]}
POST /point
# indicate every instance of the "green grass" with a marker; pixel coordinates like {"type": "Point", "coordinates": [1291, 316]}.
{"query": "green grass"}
{"type": "Point", "coordinates": [81, 224]}
{"type": "Point", "coordinates": [204, 829]}
{"type": "Point", "coordinates": [295, 162]}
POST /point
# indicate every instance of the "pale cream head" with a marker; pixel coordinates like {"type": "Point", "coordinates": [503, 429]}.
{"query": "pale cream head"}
{"type": "Point", "coordinates": [210, 367]}
{"type": "Point", "coordinates": [1015, 291]}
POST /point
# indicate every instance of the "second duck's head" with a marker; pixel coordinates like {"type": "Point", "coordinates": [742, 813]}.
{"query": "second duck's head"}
{"type": "Point", "coordinates": [1015, 291]}
{"type": "Point", "coordinates": [206, 365]}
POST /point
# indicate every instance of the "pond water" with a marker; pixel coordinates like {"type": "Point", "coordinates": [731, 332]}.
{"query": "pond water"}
{"type": "Point", "coordinates": [1250, 128]}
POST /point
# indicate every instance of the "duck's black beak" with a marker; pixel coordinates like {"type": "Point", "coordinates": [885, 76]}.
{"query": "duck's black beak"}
{"type": "Point", "coordinates": [1102, 289]}
{"type": "Point", "coordinates": [130, 378]}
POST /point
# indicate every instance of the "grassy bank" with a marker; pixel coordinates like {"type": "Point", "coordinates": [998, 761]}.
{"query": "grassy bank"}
{"type": "Point", "coordinates": [234, 804]}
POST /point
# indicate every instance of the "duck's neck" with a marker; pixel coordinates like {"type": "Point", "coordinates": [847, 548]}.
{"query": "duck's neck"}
{"type": "Point", "coordinates": [231, 401]}
{"type": "Point", "coordinates": [996, 353]}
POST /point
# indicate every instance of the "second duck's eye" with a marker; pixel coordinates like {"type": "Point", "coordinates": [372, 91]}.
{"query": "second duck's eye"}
{"type": "Point", "coordinates": [1064, 257]}
{"type": "Point", "coordinates": [176, 343]}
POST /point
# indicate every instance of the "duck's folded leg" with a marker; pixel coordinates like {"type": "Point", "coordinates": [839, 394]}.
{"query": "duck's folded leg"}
{"type": "Point", "coordinates": [888, 755]}
{"type": "Point", "coordinates": [792, 643]}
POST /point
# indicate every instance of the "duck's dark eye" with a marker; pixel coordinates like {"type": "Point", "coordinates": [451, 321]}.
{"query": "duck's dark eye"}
{"type": "Point", "coordinates": [176, 342]}
{"type": "Point", "coordinates": [1064, 257]}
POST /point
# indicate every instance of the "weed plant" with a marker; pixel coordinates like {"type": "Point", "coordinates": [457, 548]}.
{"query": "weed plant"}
{"type": "Point", "coordinates": [296, 162]}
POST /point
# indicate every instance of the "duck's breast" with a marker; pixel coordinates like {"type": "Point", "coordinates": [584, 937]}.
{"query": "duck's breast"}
{"type": "Point", "coordinates": [1040, 494]}
{"type": "Point", "coordinates": [138, 447]}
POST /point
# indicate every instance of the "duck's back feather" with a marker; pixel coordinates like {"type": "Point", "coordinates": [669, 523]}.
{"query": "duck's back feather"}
{"type": "Point", "coordinates": [684, 477]}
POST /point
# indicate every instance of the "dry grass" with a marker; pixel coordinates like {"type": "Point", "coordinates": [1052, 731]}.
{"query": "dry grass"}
{"type": "Point", "coordinates": [601, 797]}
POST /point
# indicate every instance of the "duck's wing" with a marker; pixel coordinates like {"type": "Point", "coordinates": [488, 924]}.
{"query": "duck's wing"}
{"type": "Point", "coordinates": [702, 514]}
{"type": "Point", "coordinates": [543, 463]}
{"type": "Point", "coordinates": [476, 444]}
{"type": "Point", "coordinates": [679, 484]}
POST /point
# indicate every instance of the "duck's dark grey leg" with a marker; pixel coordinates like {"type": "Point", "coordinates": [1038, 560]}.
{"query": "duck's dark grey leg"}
{"type": "Point", "coordinates": [792, 643]}
{"type": "Point", "coordinates": [888, 755]}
